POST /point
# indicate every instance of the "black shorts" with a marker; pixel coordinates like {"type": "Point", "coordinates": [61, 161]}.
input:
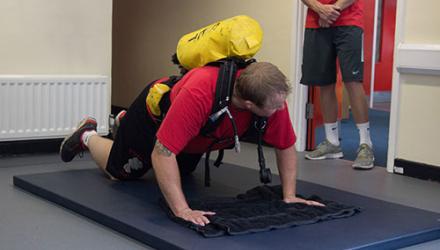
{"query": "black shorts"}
{"type": "Point", "coordinates": [130, 155]}
{"type": "Point", "coordinates": [323, 46]}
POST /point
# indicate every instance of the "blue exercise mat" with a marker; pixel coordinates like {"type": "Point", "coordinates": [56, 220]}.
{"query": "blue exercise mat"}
{"type": "Point", "coordinates": [132, 208]}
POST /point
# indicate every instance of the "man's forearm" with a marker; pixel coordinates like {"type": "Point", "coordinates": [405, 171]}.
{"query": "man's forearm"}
{"type": "Point", "coordinates": [327, 12]}
{"type": "Point", "coordinates": [315, 5]}
{"type": "Point", "coordinates": [287, 167]}
{"type": "Point", "coordinates": [168, 176]}
{"type": "Point", "coordinates": [343, 4]}
{"type": "Point", "coordinates": [286, 161]}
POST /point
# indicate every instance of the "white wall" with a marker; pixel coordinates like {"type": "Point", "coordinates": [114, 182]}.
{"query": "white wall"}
{"type": "Point", "coordinates": [422, 21]}
{"type": "Point", "coordinates": [419, 120]}
{"type": "Point", "coordinates": [418, 133]}
{"type": "Point", "coordinates": [55, 37]}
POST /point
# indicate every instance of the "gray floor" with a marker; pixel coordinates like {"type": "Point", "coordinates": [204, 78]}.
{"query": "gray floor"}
{"type": "Point", "coordinates": [28, 222]}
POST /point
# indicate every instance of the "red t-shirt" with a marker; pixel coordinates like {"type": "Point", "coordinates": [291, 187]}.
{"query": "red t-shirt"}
{"type": "Point", "coordinates": [191, 102]}
{"type": "Point", "coordinates": [353, 15]}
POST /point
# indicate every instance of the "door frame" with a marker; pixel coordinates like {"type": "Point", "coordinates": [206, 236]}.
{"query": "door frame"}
{"type": "Point", "coordinates": [300, 91]}
{"type": "Point", "coordinates": [373, 53]}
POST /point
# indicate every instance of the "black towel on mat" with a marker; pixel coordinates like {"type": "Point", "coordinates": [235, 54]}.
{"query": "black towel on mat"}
{"type": "Point", "coordinates": [260, 209]}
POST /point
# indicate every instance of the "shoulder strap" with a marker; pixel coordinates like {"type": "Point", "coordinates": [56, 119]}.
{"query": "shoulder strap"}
{"type": "Point", "coordinates": [224, 87]}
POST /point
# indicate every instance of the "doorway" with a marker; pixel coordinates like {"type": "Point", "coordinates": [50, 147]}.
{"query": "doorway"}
{"type": "Point", "coordinates": [379, 30]}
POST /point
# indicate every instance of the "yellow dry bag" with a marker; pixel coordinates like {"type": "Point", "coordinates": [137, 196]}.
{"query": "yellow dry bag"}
{"type": "Point", "coordinates": [155, 96]}
{"type": "Point", "coordinates": [239, 36]}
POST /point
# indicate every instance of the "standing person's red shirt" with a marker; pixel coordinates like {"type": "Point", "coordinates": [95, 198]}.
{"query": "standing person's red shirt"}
{"type": "Point", "coordinates": [191, 102]}
{"type": "Point", "coordinates": [351, 16]}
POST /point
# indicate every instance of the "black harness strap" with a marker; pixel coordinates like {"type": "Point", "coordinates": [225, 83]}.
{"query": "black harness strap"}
{"type": "Point", "coordinates": [265, 174]}
{"type": "Point", "coordinates": [223, 91]}
{"type": "Point", "coordinates": [256, 131]}
{"type": "Point", "coordinates": [224, 88]}
{"type": "Point", "coordinates": [217, 162]}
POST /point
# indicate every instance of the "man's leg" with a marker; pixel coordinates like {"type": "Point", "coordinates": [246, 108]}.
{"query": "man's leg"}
{"type": "Point", "coordinates": [319, 69]}
{"type": "Point", "coordinates": [329, 109]}
{"type": "Point", "coordinates": [329, 103]}
{"type": "Point", "coordinates": [329, 148]}
{"type": "Point", "coordinates": [99, 148]}
{"type": "Point", "coordinates": [83, 138]}
{"type": "Point", "coordinates": [358, 101]}
{"type": "Point", "coordinates": [350, 53]}
{"type": "Point", "coordinates": [359, 108]}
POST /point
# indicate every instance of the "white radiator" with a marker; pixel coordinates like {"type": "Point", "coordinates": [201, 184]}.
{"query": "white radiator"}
{"type": "Point", "coordinates": [50, 106]}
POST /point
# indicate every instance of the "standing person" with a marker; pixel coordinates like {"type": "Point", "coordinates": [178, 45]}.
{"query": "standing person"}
{"type": "Point", "coordinates": [334, 29]}
{"type": "Point", "coordinates": [175, 145]}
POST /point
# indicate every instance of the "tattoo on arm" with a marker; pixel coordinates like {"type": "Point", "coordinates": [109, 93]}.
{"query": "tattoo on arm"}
{"type": "Point", "coordinates": [162, 149]}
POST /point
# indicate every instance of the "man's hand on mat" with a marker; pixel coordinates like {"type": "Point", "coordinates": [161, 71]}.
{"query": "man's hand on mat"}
{"type": "Point", "coordinates": [195, 216]}
{"type": "Point", "coordinates": [300, 200]}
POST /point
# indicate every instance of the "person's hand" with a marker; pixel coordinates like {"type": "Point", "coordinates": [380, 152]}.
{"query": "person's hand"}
{"type": "Point", "coordinates": [294, 199]}
{"type": "Point", "coordinates": [329, 13]}
{"type": "Point", "coordinates": [195, 216]}
{"type": "Point", "coordinates": [323, 24]}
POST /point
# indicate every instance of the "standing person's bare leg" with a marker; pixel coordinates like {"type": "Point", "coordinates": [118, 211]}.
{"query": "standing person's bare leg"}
{"type": "Point", "coordinates": [358, 101]}
{"type": "Point", "coordinates": [329, 148]}
{"type": "Point", "coordinates": [359, 107]}
{"type": "Point", "coordinates": [329, 103]}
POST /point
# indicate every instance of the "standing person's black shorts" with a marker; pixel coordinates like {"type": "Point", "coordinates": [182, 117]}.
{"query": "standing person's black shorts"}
{"type": "Point", "coordinates": [321, 48]}
{"type": "Point", "coordinates": [130, 156]}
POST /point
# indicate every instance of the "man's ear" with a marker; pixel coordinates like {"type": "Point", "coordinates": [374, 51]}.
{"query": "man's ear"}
{"type": "Point", "coordinates": [248, 104]}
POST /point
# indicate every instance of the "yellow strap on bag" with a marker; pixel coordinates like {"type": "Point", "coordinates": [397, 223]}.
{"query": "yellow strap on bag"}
{"type": "Point", "coordinates": [154, 96]}
{"type": "Point", "coordinates": [239, 36]}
